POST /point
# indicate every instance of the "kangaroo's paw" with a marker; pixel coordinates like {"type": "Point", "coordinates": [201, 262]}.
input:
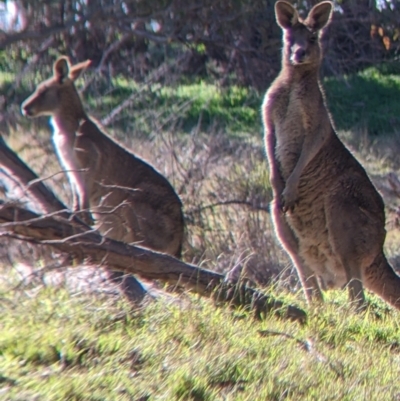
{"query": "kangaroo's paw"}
{"type": "Point", "coordinates": [289, 199]}
{"type": "Point", "coordinates": [86, 217]}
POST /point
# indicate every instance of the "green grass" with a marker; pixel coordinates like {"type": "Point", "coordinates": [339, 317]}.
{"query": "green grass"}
{"type": "Point", "coordinates": [55, 346]}
{"type": "Point", "coordinates": [197, 105]}
{"type": "Point", "coordinates": [234, 107]}
{"type": "Point", "coordinates": [368, 100]}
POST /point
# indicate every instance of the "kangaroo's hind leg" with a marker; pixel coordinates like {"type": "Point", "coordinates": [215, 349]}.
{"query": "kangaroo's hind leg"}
{"type": "Point", "coordinates": [356, 236]}
{"type": "Point", "coordinates": [129, 285]}
{"type": "Point", "coordinates": [290, 243]}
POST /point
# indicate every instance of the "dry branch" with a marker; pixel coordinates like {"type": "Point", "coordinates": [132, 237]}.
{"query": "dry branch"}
{"type": "Point", "coordinates": [153, 77]}
{"type": "Point", "coordinates": [26, 183]}
{"type": "Point", "coordinates": [394, 182]}
{"type": "Point", "coordinates": [72, 238]}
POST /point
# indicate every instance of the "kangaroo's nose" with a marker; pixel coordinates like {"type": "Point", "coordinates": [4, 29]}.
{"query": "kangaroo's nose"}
{"type": "Point", "coordinates": [25, 111]}
{"type": "Point", "coordinates": [300, 55]}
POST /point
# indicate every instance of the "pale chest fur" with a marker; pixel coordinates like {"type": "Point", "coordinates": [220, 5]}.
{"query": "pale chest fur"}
{"type": "Point", "coordinates": [295, 113]}
{"type": "Point", "coordinates": [288, 129]}
{"type": "Point", "coordinates": [64, 145]}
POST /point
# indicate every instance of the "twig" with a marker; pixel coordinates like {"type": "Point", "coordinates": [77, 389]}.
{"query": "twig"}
{"type": "Point", "coordinates": [34, 60]}
{"type": "Point", "coordinates": [157, 74]}
{"type": "Point", "coordinates": [229, 202]}
{"type": "Point", "coordinates": [394, 183]}
{"type": "Point", "coordinates": [106, 53]}
{"type": "Point", "coordinates": [306, 345]}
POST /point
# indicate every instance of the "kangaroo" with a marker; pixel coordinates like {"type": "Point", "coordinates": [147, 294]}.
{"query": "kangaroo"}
{"type": "Point", "coordinates": [326, 213]}
{"type": "Point", "coordinates": [126, 198]}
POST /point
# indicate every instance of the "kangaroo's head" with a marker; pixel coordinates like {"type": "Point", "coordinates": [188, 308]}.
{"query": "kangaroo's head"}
{"type": "Point", "coordinates": [56, 95]}
{"type": "Point", "coordinates": [301, 36]}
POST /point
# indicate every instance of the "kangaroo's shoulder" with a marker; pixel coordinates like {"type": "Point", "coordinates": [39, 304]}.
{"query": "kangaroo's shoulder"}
{"type": "Point", "coordinates": [118, 153]}
{"type": "Point", "coordinates": [92, 130]}
{"type": "Point", "coordinates": [279, 89]}
{"type": "Point", "coordinates": [276, 99]}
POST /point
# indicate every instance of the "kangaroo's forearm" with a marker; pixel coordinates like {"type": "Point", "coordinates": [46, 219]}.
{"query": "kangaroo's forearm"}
{"type": "Point", "coordinates": [275, 175]}
{"type": "Point", "coordinates": [311, 147]}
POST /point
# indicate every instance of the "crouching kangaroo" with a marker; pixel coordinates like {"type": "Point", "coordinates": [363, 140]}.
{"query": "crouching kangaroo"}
{"type": "Point", "coordinates": [128, 199]}
{"type": "Point", "coordinates": [327, 214]}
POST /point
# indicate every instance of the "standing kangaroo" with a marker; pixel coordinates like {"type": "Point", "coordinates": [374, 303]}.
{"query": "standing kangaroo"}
{"type": "Point", "coordinates": [127, 198]}
{"type": "Point", "coordinates": [327, 214]}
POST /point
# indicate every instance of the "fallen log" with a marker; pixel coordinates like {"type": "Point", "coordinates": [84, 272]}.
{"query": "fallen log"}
{"type": "Point", "coordinates": [75, 239]}
{"type": "Point", "coordinates": [64, 231]}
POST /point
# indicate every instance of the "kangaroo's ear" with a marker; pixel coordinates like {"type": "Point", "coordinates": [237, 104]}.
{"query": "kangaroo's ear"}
{"type": "Point", "coordinates": [319, 16]}
{"type": "Point", "coordinates": [77, 69]}
{"type": "Point", "coordinates": [61, 69]}
{"type": "Point", "coordinates": [286, 15]}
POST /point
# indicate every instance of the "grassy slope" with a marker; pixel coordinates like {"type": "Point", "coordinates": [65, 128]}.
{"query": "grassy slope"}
{"type": "Point", "coordinates": [55, 345]}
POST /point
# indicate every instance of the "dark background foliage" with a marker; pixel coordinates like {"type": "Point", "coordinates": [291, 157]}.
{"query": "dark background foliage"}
{"type": "Point", "coordinates": [232, 40]}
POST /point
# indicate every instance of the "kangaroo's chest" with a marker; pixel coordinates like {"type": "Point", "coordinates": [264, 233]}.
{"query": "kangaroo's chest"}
{"type": "Point", "coordinates": [64, 147]}
{"type": "Point", "coordinates": [293, 122]}
{"type": "Point", "coordinates": [77, 168]}
{"type": "Point", "coordinates": [75, 152]}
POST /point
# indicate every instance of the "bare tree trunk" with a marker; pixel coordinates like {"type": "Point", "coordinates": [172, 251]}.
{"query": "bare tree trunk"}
{"type": "Point", "coordinates": [20, 179]}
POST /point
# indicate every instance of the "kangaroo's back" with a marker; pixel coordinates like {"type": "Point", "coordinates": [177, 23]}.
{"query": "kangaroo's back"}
{"type": "Point", "coordinates": [129, 200]}
{"type": "Point", "coordinates": [327, 214]}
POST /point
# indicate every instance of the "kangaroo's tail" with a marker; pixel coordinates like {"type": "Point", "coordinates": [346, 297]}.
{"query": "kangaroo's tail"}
{"type": "Point", "coordinates": [381, 279]}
